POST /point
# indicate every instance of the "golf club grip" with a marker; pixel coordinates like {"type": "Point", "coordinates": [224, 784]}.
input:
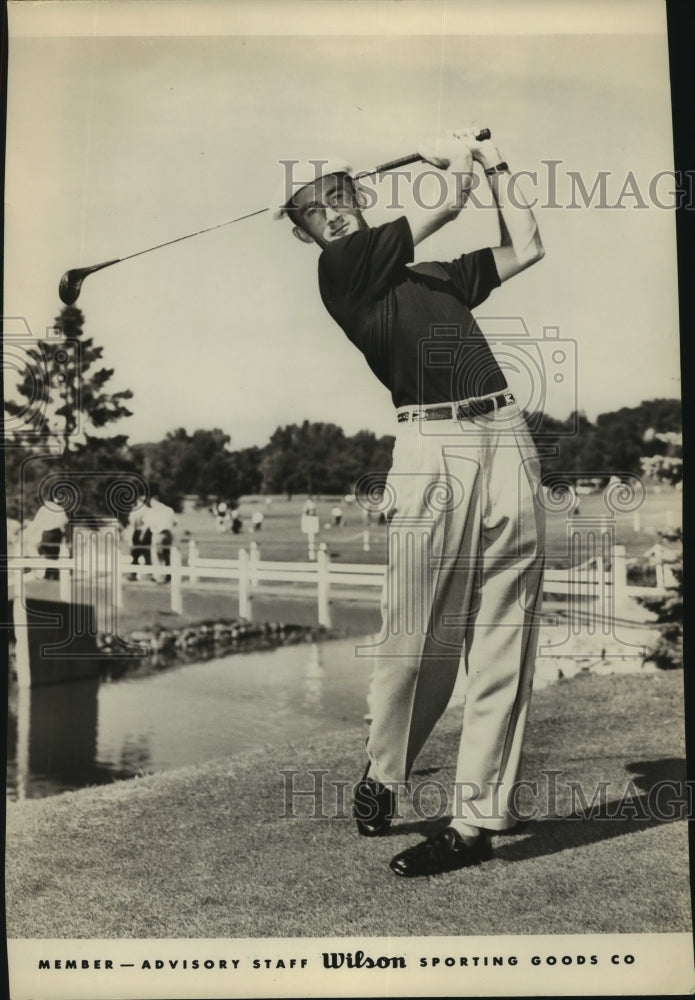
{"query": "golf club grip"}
{"type": "Point", "coordinates": [403, 161]}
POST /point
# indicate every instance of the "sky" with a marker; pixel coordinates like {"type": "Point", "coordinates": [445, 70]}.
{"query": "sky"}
{"type": "Point", "coordinates": [130, 124]}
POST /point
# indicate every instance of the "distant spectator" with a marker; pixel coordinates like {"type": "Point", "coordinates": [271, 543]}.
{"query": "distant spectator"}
{"type": "Point", "coordinates": [161, 520]}
{"type": "Point", "coordinates": [237, 523]}
{"type": "Point", "coordinates": [337, 515]}
{"type": "Point", "coordinates": [14, 536]}
{"type": "Point", "coordinates": [140, 536]}
{"type": "Point", "coordinates": [46, 533]}
{"type": "Point", "coordinates": [257, 520]}
{"type": "Point", "coordinates": [309, 508]}
{"type": "Point", "coordinates": [220, 511]}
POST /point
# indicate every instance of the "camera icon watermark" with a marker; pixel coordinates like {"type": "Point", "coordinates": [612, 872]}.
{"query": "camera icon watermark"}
{"type": "Point", "coordinates": [475, 363]}
{"type": "Point", "coordinates": [42, 379]}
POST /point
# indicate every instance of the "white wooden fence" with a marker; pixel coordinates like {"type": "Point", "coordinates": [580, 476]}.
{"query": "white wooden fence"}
{"type": "Point", "coordinates": [89, 567]}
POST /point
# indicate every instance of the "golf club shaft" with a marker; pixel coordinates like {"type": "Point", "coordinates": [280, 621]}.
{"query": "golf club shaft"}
{"type": "Point", "coordinates": [71, 282]}
{"type": "Point", "coordinates": [381, 169]}
{"type": "Point", "coordinates": [189, 236]}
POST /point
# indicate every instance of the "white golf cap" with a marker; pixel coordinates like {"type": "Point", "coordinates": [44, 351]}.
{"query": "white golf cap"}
{"type": "Point", "coordinates": [296, 174]}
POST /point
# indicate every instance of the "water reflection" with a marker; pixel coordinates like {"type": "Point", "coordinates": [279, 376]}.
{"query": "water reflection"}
{"type": "Point", "coordinates": [136, 754]}
{"type": "Point", "coordinates": [159, 716]}
{"type": "Point", "coordinates": [55, 739]}
{"type": "Point", "coordinates": [313, 677]}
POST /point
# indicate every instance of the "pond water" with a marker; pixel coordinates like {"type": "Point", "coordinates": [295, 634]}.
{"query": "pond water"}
{"type": "Point", "coordinates": [90, 732]}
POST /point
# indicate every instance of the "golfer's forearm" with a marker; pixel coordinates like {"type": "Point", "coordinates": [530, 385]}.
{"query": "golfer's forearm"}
{"type": "Point", "coordinates": [518, 226]}
{"type": "Point", "coordinates": [426, 221]}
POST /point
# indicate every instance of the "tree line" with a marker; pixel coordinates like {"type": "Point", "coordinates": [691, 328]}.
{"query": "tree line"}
{"type": "Point", "coordinates": [64, 396]}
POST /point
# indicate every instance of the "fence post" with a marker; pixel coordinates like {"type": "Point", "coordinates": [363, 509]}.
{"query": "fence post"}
{"type": "Point", "coordinates": [175, 573]}
{"type": "Point", "coordinates": [64, 575]}
{"type": "Point", "coordinates": [619, 576]}
{"type": "Point", "coordinates": [365, 540]}
{"type": "Point", "coordinates": [21, 634]}
{"type": "Point", "coordinates": [602, 597]}
{"type": "Point", "coordinates": [118, 583]}
{"type": "Point", "coordinates": [324, 595]}
{"type": "Point", "coordinates": [192, 561]}
{"type": "Point", "coordinates": [244, 599]}
{"type": "Point", "coordinates": [660, 575]}
{"type": "Point", "coordinates": [254, 559]}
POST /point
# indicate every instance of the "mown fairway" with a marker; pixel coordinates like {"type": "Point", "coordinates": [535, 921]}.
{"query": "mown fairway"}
{"type": "Point", "coordinates": [281, 537]}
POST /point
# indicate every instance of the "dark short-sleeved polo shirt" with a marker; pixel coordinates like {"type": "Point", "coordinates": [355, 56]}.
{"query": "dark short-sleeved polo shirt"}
{"type": "Point", "coordinates": [412, 323]}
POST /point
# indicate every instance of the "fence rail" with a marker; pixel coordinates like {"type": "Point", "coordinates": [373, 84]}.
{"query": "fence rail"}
{"type": "Point", "coordinates": [89, 565]}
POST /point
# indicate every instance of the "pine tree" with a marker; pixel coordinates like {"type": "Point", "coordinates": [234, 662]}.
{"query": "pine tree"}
{"type": "Point", "coordinates": [65, 393]}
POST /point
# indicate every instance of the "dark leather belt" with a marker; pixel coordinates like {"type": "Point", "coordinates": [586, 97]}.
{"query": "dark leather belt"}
{"type": "Point", "coordinates": [469, 409]}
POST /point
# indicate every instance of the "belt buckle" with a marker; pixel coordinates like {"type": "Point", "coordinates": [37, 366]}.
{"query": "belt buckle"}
{"type": "Point", "coordinates": [465, 410]}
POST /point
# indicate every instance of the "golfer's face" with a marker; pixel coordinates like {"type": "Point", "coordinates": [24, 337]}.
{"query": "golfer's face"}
{"type": "Point", "coordinates": [328, 209]}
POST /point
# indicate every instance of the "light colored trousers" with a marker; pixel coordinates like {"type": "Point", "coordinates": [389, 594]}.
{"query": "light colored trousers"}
{"type": "Point", "coordinates": [463, 588]}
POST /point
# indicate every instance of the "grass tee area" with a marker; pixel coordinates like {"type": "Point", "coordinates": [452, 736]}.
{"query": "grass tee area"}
{"type": "Point", "coordinates": [206, 852]}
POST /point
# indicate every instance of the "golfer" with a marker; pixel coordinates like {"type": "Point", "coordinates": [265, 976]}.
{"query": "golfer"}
{"type": "Point", "coordinates": [464, 578]}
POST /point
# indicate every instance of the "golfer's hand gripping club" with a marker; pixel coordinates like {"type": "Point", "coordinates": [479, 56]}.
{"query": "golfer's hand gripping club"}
{"type": "Point", "coordinates": [404, 161]}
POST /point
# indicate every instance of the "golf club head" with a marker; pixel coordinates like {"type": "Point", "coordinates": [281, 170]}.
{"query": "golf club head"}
{"type": "Point", "coordinates": [71, 282]}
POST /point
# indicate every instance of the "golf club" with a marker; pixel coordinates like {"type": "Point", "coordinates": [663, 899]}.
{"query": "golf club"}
{"type": "Point", "coordinates": [71, 282]}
